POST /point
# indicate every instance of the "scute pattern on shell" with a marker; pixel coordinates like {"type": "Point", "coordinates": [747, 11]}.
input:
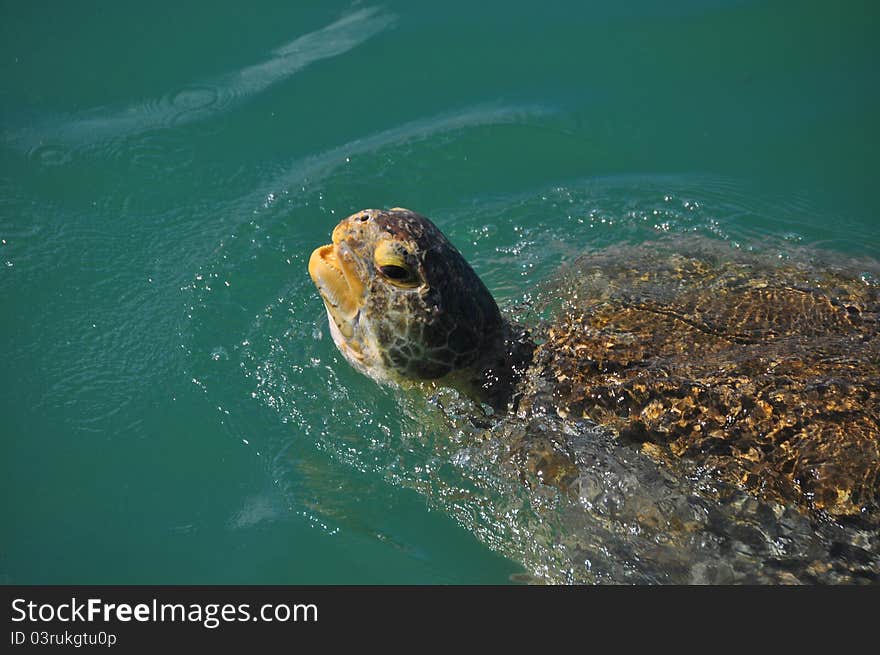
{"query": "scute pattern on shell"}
{"type": "Point", "coordinates": [767, 372]}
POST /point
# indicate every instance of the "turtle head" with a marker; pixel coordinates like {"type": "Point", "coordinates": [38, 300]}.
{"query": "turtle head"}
{"type": "Point", "coordinates": [403, 304]}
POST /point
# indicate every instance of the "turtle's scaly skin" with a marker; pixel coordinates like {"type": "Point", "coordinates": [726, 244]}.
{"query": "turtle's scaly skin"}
{"type": "Point", "coordinates": [768, 374]}
{"type": "Point", "coordinates": [440, 323]}
{"type": "Point", "coordinates": [765, 372]}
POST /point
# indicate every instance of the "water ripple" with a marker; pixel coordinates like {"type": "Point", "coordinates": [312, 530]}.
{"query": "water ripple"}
{"type": "Point", "coordinates": [323, 164]}
{"type": "Point", "coordinates": [50, 143]}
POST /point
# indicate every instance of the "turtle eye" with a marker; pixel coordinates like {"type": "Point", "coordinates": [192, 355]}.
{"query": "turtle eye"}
{"type": "Point", "coordinates": [391, 263]}
{"type": "Point", "coordinates": [398, 274]}
{"type": "Point", "coordinates": [393, 272]}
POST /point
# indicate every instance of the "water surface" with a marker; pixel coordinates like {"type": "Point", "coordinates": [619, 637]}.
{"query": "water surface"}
{"type": "Point", "coordinates": [173, 410]}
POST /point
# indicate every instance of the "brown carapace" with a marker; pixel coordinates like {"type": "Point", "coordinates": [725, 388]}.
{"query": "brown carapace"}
{"type": "Point", "coordinates": [766, 371]}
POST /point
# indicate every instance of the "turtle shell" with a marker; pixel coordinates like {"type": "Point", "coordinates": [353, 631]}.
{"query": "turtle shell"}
{"type": "Point", "coordinates": [764, 369]}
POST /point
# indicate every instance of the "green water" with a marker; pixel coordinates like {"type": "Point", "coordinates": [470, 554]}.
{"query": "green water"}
{"type": "Point", "coordinates": [173, 409]}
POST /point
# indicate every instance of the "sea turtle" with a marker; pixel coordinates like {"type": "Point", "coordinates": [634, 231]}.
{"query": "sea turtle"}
{"type": "Point", "coordinates": [765, 373]}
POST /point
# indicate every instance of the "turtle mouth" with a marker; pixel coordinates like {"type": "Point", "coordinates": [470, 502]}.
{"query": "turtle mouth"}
{"type": "Point", "coordinates": [334, 272]}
